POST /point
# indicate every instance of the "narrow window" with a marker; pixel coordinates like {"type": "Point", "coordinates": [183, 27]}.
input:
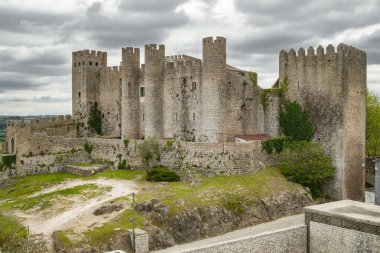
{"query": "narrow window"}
{"type": "Point", "coordinates": [298, 84]}
{"type": "Point", "coordinates": [193, 115]}
{"type": "Point", "coordinates": [79, 64]}
{"type": "Point", "coordinates": [78, 94]}
{"type": "Point", "coordinates": [117, 117]}
{"type": "Point", "coordinates": [142, 91]}
{"type": "Point", "coordinates": [176, 117]}
{"type": "Point", "coordinates": [143, 116]}
{"type": "Point", "coordinates": [90, 63]}
{"type": "Point", "coordinates": [96, 64]}
{"type": "Point", "coordinates": [195, 85]}
{"type": "Point", "coordinates": [75, 64]}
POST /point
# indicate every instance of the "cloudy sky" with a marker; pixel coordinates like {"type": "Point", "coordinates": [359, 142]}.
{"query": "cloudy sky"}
{"type": "Point", "coordinates": [38, 36]}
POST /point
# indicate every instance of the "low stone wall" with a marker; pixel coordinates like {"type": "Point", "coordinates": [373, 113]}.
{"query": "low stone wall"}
{"type": "Point", "coordinates": [292, 239]}
{"type": "Point", "coordinates": [218, 158]}
{"type": "Point", "coordinates": [327, 238]}
{"type": "Point", "coordinates": [84, 171]}
{"type": "Point", "coordinates": [41, 164]}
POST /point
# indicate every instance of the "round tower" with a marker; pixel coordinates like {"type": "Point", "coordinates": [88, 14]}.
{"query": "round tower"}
{"type": "Point", "coordinates": [130, 104]}
{"type": "Point", "coordinates": [213, 84]}
{"type": "Point", "coordinates": [153, 79]}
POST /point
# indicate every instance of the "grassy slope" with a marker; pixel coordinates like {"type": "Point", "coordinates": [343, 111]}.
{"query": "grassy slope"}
{"type": "Point", "coordinates": [11, 230]}
{"type": "Point", "coordinates": [225, 191]}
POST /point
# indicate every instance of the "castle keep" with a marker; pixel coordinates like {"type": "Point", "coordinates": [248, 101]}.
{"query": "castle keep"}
{"type": "Point", "coordinates": [179, 97]}
{"type": "Point", "coordinates": [207, 105]}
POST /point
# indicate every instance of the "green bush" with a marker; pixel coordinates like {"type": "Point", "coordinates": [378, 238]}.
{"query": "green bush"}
{"type": "Point", "coordinates": [162, 175]}
{"type": "Point", "coordinates": [149, 151]}
{"type": "Point", "coordinates": [123, 165]}
{"type": "Point", "coordinates": [373, 125]}
{"type": "Point", "coordinates": [295, 122]}
{"type": "Point", "coordinates": [126, 143]}
{"type": "Point", "coordinates": [7, 161]}
{"type": "Point", "coordinates": [169, 144]}
{"type": "Point", "coordinates": [307, 164]}
{"type": "Point", "coordinates": [88, 147]}
{"type": "Point", "coordinates": [277, 144]}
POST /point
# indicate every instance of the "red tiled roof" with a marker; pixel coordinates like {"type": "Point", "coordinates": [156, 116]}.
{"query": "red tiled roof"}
{"type": "Point", "coordinates": [255, 137]}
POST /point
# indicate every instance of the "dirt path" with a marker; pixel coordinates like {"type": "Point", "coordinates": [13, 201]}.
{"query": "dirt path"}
{"type": "Point", "coordinates": [79, 216]}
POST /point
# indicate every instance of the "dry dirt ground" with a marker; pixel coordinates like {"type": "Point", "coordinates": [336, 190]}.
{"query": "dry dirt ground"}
{"type": "Point", "coordinates": [77, 213]}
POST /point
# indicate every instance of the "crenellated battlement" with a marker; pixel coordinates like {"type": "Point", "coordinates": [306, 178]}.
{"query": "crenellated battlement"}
{"type": "Point", "coordinates": [53, 121]}
{"type": "Point", "coordinates": [218, 40]}
{"type": "Point", "coordinates": [320, 55]}
{"type": "Point", "coordinates": [130, 50]}
{"type": "Point", "coordinates": [113, 69]}
{"type": "Point", "coordinates": [153, 48]}
{"type": "Point", "coordinates": [89, 58]}
{"type": "Point", "coordinates": [180, 61]}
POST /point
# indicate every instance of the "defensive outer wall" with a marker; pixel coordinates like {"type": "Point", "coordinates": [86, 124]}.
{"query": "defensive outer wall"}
{"type": "Point", "coordinates": [204, 104]}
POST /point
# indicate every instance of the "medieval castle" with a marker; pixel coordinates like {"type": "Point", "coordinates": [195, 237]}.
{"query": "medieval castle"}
{"type": "Point", "coordinates": [207, 104]}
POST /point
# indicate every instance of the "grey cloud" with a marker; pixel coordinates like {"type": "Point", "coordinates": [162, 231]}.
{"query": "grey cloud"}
{"type": "Point", "coordinates": [16, 20]}
{"type": "Point", "coordinates": [138, 22]}
{"type": "Point", "coordinates": [17, 82]}
{"type": "Point", "coordinates": [151, 6]}
{"type": "Point", "coordinates": [46, 62]}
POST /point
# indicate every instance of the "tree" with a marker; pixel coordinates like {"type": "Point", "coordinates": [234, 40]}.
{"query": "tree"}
{"type": "Point", "coordinates": [373, 125]}
{"type": "Point", "coordinates": [295, 122]}
{"type": "Point", "coordinates": [149, 151]}
{"type": "Point", "coordinates": [306, 163]}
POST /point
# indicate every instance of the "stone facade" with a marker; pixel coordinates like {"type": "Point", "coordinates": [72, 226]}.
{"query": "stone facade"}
{"type": "Point", "coordinates": [331, 86]}
{"type": "Point", "coordinates": [291, 239]}
{"type": "Point", "coordinates": [326, 238]}
{"type": "Point", "coordinates": [179, 97]}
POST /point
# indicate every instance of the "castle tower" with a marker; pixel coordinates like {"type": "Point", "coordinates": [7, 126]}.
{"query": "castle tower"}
{"type": "Point", "coordinates": [213, 85]}
{"type": "Point", "coordinates": [153, 79]}
{"type": "Point", "coordinates": [86, 66]}
{"type": "Point", "coordinates": [331, 86]}
{"type": "Point", "coordinates": [130, 105]}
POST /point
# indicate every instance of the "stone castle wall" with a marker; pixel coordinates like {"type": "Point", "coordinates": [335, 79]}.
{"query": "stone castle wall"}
{"type": "Point", "coordinates": [207, 158]}
{"type": "Point", "coordinates": [331, 86]}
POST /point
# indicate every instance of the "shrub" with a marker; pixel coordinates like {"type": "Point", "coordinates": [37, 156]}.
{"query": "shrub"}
{"type": "Point", "coordinates": [169, 144]}
{"type": "Point", "coordinates": [161, 174]}
{"type": "Point", "coordinates": [149, 151]}
{"type": "Point", "coordinates": [88, 147]}
{"type": "Point", "coordinates": [277, 144]}
{"type": "Point", "coordinates": [7, 161]}
{"type": "Point", "coordinates": [123, 165]}
{"type": "Point", "coordinates": [126, 143]}
{"type": "Point", "coordinates": [295, 122]}
{"type": "Point", "coordinates": [307, 164]}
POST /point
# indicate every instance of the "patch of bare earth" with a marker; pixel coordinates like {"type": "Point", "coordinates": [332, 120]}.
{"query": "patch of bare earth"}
{"type": "Point", "coordinates": [76, 213]}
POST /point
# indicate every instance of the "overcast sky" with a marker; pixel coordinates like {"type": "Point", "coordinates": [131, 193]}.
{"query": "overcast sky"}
{"type": "Point", "coordinates": [38, 36]}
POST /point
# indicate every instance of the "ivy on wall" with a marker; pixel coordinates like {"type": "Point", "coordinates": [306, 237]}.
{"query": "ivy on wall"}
{"type": "Point", "coordinates": [280, 92]}
{"type": "Point", "coordinates": [253, 77]}
{"type": "Point", "coordinates": [95, 119]}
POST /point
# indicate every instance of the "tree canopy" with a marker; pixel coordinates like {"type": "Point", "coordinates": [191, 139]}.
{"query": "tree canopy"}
{"type": "Point", "coordinates": [373, 125]}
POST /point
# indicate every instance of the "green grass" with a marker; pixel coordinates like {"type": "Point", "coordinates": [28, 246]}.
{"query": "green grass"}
{"type": "Point", "coordinates": [100, 235]}
{"type": "Point", "coordinates": [221, 190]}
{"type": "Point", "coordinates": [11, 230]}
{"type": "Point", "coordinates": [1, 146]}
{"type": "Point", "coordinates": [31, 184]}
{"type": "Point", "coordinates": [46, 200]}
{"type": "Point", "coordinates": [61, 237]}
{"type": "Point", "coordinates": [120, 174]}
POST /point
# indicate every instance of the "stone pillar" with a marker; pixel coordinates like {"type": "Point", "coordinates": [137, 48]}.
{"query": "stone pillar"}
{"type": "Point", "coordinates": [141, 241]}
